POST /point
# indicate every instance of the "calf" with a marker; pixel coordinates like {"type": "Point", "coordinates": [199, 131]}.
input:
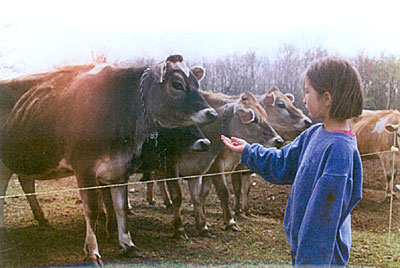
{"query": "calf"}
{"type": "Point", "coordinates": [375, 132]}
{"type": "Point", "coordinates": [94, 124]}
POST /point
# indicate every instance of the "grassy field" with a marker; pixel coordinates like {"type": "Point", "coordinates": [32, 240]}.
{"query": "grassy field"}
{"type": "Point", "coordinates": [261, 243]}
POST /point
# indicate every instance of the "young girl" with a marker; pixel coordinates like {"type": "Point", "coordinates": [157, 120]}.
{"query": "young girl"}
{"type": "Point", "coordinates": [322, 164]}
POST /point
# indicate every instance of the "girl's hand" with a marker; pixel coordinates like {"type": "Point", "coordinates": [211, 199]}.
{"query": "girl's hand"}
{"type": "Point", "coordinates": [234, 144]}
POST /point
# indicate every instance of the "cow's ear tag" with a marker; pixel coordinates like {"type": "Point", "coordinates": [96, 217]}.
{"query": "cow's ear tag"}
{"type": "Point", "coordinates": [199, 72]}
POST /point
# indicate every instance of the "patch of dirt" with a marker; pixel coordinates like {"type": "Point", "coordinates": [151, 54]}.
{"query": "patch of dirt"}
{"type": "Point", "coordinates": [372, 213]}
{"type": "Point", "coordinates": [262, 239]}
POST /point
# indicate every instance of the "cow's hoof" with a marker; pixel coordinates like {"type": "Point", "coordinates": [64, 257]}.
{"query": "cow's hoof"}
{"type": "Point", "coordinates": [233, 227]}
{"type": "Point", "coordinates": [387, 199]}
{"type": "Point", "coordinates": [133, 252]}
{"type": "Point", "coordinates": [45, 224]}
{"type": "Point", "coordinates": [168, 210]}
{"type": "Point", "coordinates": [241, 216]}
{"type": "Point", "coordinates": [207, 233]}
{"type": "Point", "coordinates": [95, 260]}
{"type": "Point", "coordinates": [181, 236]}
{"type": "Point", "coordinates": [251, 215]}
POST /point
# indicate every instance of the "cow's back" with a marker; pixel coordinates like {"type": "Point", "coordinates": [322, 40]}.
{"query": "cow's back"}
{"type": "Point", "coordinates": [369, 128]}
{"type": "Point", "coordinates": [13, 89]}
{"type": "Point", "coordinates": [34, 129]}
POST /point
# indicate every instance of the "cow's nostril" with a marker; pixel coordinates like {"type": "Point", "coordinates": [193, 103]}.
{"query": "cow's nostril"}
{"type": "Point", "coordinates": [211, 114]}
{"type": "Point", "coordinates": [201, 145]}
{"type": "Point", "coordinates": [307, 122]}
{"type": "Point", "coordinates": [205, 144]}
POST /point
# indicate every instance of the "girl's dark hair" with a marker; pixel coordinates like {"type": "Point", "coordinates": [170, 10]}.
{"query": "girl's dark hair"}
{"type": "Point", "coordinates": [338, 77]}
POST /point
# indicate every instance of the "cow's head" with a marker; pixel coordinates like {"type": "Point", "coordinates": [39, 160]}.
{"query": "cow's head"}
{"type": "Point", "coordinates": [393, 129]}
{"type": "Point", "coordinates": [245, 118]}
{"type": "Point", "coordinates": [182, 139]}
{"type": "Point", "coordinates": [283, 116]}
{"type": "Point", "coordinates": [172, 97]}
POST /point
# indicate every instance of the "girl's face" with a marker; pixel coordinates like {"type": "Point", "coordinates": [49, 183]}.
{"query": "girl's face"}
{"type": "Point", "coordinates": [317, 104]}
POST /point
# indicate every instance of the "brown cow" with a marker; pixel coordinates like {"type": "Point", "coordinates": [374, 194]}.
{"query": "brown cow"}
{"type": "Point", "coordinates": [94, 122]}
{"type": "Point", "coordinates": [288, 121]}
{"type": "Point", "coordinates": [375, 132]}
{"type": "Point", "coordinates": [283, 116]}
{"type": "Point", "coordinates": [242, 117]}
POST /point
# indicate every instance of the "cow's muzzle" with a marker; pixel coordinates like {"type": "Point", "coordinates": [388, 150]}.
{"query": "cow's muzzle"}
{"type": "Point", "coordinates": [201, 145]}
{"type": "Point", "coordinates": [205, 116]}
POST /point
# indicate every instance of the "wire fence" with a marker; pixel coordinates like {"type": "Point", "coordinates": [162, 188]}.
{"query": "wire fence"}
{"type": "Point", "coordinates": [393, 150]}
{"type": "Point", "coordinates": [149, 181]}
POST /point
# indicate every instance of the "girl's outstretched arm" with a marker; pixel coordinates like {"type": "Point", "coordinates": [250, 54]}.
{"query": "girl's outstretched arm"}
{"type": "Point", "coordinates": [234, 144]}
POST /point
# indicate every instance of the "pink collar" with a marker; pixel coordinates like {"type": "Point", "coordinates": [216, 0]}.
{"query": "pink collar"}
{"type": "Point", "coordinates": [348, 132]}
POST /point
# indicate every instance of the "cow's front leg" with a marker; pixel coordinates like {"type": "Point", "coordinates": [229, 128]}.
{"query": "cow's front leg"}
{"type": "Point", "coordinates": [176, 197]}
{"type": "Point", "coordinates": [236, 179]}
{"type": "Point", "coordinates": [223, 195]}
{"type": "Point", "coordinates": [119, 197]}
{"type": "Point", "coordinates": [195, 186]}
{"type": "Point", "coordinates": [205, 190]}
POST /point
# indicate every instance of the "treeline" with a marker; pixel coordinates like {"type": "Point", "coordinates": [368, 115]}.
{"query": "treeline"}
{"type": "Point", "coordinates": [256, 73]}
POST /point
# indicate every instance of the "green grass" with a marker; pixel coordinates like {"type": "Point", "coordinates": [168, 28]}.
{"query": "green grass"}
{"type": "Point", "coordinates": [374, 250]}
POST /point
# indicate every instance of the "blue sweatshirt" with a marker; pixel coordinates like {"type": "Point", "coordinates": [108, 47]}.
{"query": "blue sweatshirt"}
{"type": "Point", "coordinates": [325, 171]}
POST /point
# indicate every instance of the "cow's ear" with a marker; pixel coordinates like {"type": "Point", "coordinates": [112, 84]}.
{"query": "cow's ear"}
{"type": "Point", "coordinates": [246, 115]}
{"type": "Point", "coordinates": [269, 99]}
{"type": "Point", "coordinates": [290, 97]}
{"type": "Point", "coordinates": [199, 72]}
{"type": "Point", "coordinates": [391, 127]}
{"type": "Point", "coordinates": [159, 71]}
{"type": "Point", "coordinates": [273, 89]}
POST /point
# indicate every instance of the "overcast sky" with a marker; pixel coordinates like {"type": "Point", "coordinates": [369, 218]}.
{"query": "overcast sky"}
{"type": "Point", "coordinates": [37, 35]}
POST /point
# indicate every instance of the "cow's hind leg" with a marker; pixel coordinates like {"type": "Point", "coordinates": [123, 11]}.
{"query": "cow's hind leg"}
{"type": "Point", "coordinates": [390, 187]}
{"type": "Point", "coordinates": [164, 194]}
{"type": "Point", "coordinates": [5, 175]}
{"type": "Point", "coordinates": [147, 176]}
{"type": "Point", "coordinates": [387, 162]}
{"type": "Point", "coordinates": [247, 183]}
{"type": "Point", "coordinates": [91, 210]}
{"type": "Point", "coordinates": [176, 197]}
{"type": "Point", "coordinates": [28, 186]}
{"type": "Point", "coordinates": [111, 220]}
{"type": "Point", "coordinates": [86, 178]}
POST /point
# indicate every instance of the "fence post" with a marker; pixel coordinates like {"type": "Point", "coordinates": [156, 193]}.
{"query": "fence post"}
{"type": "Point", "coordinates": [393, 149]}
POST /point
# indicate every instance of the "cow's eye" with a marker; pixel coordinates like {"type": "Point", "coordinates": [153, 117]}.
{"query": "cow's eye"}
{"type": "Point", "coordinates": [177, 86]}
{"type": "Point", "coordinates": [281, 105]}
